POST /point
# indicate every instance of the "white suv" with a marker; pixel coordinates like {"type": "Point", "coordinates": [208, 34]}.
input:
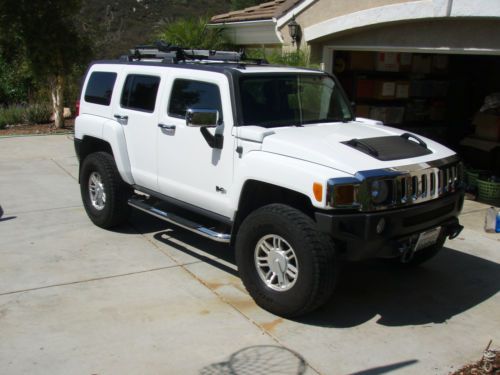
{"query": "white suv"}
{"type": "Point", "coordinates": [269, 159]}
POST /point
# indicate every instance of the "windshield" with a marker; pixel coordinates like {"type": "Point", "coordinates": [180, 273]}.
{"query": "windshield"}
{"type": "Point", "coordinates": [295, 99]}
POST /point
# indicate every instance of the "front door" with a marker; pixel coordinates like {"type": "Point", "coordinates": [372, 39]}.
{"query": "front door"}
{"type": "Point", "coordinates": [190, 170]}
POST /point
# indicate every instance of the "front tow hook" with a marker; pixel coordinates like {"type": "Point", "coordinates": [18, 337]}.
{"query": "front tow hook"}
{"type": "Point", "coordinates": [454, 230]}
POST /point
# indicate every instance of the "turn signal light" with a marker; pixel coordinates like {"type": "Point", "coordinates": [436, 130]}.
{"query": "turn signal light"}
{"type": "Point", "coordinates": [318, 191]}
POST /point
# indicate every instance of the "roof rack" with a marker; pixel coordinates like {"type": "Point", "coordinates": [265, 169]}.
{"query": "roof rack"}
{"type": "Point", "coordinates": [170, 54]}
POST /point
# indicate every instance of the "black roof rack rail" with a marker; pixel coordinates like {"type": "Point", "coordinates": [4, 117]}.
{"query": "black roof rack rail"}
{"type": "Point", "coordinates": [170, 54]}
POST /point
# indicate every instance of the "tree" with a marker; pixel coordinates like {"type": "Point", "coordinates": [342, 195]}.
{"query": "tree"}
{"type": "Point", "coordinates": [46, 34]}
{"type": "Point", "coordinates": [193, 33]}
{"type": "Point", "coordinates": [242, 4]}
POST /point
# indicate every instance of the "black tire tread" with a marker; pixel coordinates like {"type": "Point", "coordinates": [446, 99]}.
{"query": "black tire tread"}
{"type": "Point", "coordinates": [322, 253]}
{"type": "Point", "coordinates": [117, 191]}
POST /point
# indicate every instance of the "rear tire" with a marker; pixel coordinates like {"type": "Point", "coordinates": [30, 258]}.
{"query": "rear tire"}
{"type": "Point", "coordinates": [287, 266]}
{"type": "Point", "coordinates": [104, 193]}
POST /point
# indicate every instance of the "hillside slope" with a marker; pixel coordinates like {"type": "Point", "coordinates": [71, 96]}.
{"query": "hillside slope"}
{"type": "Point", "coordinates": [117, 25]}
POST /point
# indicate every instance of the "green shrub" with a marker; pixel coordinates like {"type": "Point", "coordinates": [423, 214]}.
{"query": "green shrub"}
{"type": "Point", "coordinates": [38, 113]}
{"type": "Point", "coordinates": [12, 115]}
{"type": "Point", "coordinates": [298, 58]}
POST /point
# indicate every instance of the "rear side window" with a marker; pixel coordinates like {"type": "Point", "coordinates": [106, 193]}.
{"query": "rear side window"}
{"type": "Point", "coordinates": [100, 88]}
{"type": "Point", "coordinates": [139, 92]}
{"type": "Point", "coordinates": [195, 95]}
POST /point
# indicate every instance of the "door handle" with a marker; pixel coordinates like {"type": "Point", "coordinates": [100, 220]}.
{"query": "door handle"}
{"type": "Point", "coordinates": [121, 119]}
{"type": "Point", "coordinates": [166, 127]}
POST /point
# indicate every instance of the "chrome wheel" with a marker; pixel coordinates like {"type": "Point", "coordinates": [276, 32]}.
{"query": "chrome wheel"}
{"type": "Point", "coordinates": [276, 262]}
{"type": "Point", "coordinates": [96, 191]}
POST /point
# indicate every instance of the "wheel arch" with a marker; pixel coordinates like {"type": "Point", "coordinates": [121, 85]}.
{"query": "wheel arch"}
{"type": "Point", "coordinates": [256, 194]}
{"type": "Point", "coordinates": [90, 144]}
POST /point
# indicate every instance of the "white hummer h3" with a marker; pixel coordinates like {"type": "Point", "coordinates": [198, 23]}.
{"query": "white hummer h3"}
{"type": "Point", "coordinates": [268, 159]}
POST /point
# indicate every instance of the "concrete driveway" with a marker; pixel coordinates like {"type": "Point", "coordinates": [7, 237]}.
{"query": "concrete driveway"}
{"type": "Point", "coordinates": [153, 299]}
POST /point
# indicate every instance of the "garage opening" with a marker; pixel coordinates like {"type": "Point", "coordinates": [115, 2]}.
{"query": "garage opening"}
{"type": "Point", "coordinates": [451, 98]}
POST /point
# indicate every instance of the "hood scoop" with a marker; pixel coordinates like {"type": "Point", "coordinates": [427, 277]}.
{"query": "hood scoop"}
{"type": "Point", "coordinates": [391, 147]}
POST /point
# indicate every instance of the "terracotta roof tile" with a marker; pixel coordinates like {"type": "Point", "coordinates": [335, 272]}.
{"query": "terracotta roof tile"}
{"type": "Point", "coordinates": [264, 11]}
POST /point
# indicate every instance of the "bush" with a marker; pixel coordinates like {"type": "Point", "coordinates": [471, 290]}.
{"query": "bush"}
{"type": "Point", "coordinates": [11, 115]}
{"type": "Point", "coordinates": [193, 33]}
{"type": "Point", "coordinates": [25, 114]}
{"type": "Point", "coordinates": [297, 58]}
{"type": "Point", "coordinates": [38, 113]}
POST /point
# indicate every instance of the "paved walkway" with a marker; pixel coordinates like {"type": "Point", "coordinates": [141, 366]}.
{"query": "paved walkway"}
{"type": "Point", "coordinates": [154, 299]}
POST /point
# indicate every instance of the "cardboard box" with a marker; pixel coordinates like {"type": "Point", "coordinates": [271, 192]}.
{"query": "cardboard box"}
{"type": "Point", "coordinates": [421, 64]}
{"type": "Point", "coordinates": [387, 62]}
{"type": "Point", "coordinates": [363, 111]}
{"type": "Point", "coordinates": [487, 126]}
{"type": "Point", "coordinates": [429, 89]}
{"type": "Point", "coordinates": [405, 61]}
{"type": "Point", "coordinates": [440, 89]}
{"type": "Point", "coordinates": [360, 60]}
{"type": "Point", "coordinates": [417, 110]}
{"type": "Point", "coordinates": [388, 115]}
{"type": "Point", "coordinates": [365, 88]}
{"type": "Point", "coordinates": [440, 63]}
{"type": "Point", "coordinates": [402, 90]}
{"type": "Point", "coordinates": [437, 111]}
{"type": "Point", "coordinates": [384, 90]}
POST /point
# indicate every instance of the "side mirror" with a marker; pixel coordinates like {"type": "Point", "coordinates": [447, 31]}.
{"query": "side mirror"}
{"type": "Point", "coordinates": [202, 117]}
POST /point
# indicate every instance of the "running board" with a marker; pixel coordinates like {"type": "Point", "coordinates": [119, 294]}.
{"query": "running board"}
{"type": "Point", "coordinates": [181, 222]}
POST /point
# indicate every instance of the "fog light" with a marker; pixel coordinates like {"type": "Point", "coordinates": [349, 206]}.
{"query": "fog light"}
{"type": "Point", "coordinates": [380, 226]}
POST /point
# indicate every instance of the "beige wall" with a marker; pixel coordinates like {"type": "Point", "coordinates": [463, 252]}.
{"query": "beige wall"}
{"type": "Point", "coordinates": [454, 35]}
{"type": "Point", "coordinates": [323, 10]}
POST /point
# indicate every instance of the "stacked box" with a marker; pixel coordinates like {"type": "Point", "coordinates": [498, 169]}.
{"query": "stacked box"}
{"type": "Point", "coordinates": [365, 88]}
{"type": "Point", "coordinates": [402, 90]}
{"type": "Point", "coordinates": [361, 60]}
{"type": "Point", "coordinates": [387, 62]}
{"type": "Point", "coordinates": [384, 90]}
{"type": "Point", "coordinates": [421, 64]}
{"type": "Point", "coordinates": [388, 115]}
{"type": "Point", "coordinates": [363, 111]}
{"type": "Point", "coordinates": [487, 126]}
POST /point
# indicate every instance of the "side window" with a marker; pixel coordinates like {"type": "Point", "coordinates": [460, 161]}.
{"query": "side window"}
{"type": "Point", "coordinates": [195, 95]}
{"type": "Point", "coordinates": [139, 92]}
{"type": "Point", "coordinates": [100, 88]}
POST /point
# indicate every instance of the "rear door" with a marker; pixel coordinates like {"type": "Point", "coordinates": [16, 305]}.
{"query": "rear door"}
{"type": "Point", "coordinates": [136, 111]}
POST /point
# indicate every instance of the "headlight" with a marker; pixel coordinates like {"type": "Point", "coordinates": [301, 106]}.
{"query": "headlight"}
{"type": "Point", "coordinates": [379, 191]}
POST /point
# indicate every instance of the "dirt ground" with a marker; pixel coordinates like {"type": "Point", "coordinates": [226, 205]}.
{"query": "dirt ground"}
{"type": "Point", "coordinates": [489, 364]}
{"type": "Point", "coordinates": [37, 129]}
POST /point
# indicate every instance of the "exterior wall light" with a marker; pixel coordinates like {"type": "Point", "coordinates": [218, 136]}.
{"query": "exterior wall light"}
{"type": "Point", "coordinates": [294, 30]}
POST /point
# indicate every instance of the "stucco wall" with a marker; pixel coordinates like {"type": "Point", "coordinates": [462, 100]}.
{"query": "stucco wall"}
{"type": "Point", "coordinates": [476, 35]}
{"type": "Point", "coordinates": [323, 10]}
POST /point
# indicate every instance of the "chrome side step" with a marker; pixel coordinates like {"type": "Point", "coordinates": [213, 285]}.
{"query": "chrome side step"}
{"type": "Point", "coordinates": [177, 220]}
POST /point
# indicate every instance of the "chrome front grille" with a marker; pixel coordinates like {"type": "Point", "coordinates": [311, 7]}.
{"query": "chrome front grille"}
{"type": "Point", "coordinates": [427, 184]}
{"type": "Point", "coordinates": [407, 185]}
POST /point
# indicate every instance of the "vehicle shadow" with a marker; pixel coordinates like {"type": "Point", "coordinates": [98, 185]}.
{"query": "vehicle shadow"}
{"type": "Point", "coordinates": [147, 224]}
{"type": "Point", "coordinates": [447, 285]}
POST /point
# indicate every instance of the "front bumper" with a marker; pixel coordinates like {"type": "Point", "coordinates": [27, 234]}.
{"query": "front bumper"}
{"type": "Point", "coordinates": [356, 233]}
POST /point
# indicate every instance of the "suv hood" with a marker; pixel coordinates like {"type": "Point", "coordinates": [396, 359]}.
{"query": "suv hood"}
{"type": "Point", "coordinates": [321, 144]}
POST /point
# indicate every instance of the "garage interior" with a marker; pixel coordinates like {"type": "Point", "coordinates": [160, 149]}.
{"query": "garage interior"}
{"type": "Point", "coordinates": [450, 94]}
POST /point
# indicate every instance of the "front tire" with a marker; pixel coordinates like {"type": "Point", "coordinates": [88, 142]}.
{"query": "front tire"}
{"type": "Point", "coordinates": [287, 266]}
{"type": "Point", "coordinates": [104, 193]}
